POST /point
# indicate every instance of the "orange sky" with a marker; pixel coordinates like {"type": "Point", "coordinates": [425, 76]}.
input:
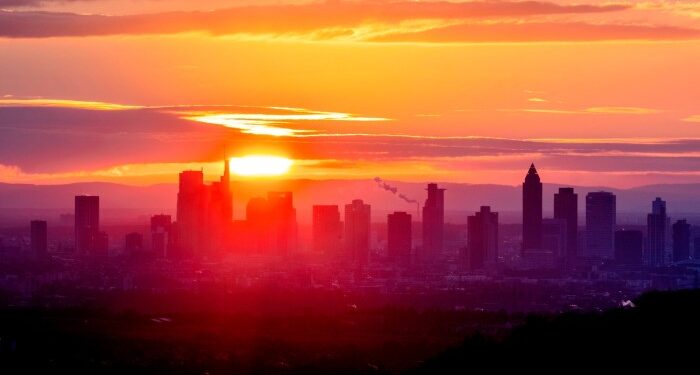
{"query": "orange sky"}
{"type": "Point", "coordinates": [595, 93]}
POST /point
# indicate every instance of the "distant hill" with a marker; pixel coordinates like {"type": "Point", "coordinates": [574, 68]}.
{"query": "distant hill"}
{"type": "Point", "coordinates": [461, 198]}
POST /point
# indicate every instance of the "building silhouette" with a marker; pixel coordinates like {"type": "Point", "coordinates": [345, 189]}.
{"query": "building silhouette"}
{"type": "Point", "coordinates": [656, 233]}
{"type": "Point", "coordinates": [482, 239]}
{"type": "Point", "coordinates": [601, 211]}
{"type": "Point", "coordinates": [681, 241]}
{"type": "Point", "coordinates": [327, 229]}
{"type": "Point", "coordinates": [399, 236]}
{"type": "Point", "coordinates": [629, 247]}
{"type": "Point", "coordinates": [161, 235]}
{"type": "Point", "coordinates": [696, 247]}
{"type": "Point", "coordinates": [87, 225]}
{"type": "Point", "coordinates": [566, 208]}
{"type": "Point", "coordinates": [532, 210]}
{"type": "Point", "coordinates": [433, 222]}
{"type": "Point", "coordinates": [259, 228]}
{"type": "Point", "coordinates": [38, 238]}
{"type": "Point", "coordinates": [204, 214]}
{"type": "Point", "coordinates": [282, 216]}
{"type": "Point", "coordinates": [357, 230]}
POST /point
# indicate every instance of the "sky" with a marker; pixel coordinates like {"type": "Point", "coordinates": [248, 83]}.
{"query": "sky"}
{"type": "Point", "coordinates": [595, 93]}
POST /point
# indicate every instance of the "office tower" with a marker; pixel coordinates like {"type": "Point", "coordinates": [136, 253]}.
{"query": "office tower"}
{"type": "Point", "coordinates": [191, 213]}
{"type": "Point", "coordinates": [656, 233]}
{"type": "Point", "coordinates": [433, 222]}
{"type": "Point", "coordinates": [38, 237]}
{"type": "Point", "coordinates": [696, 246]}
{"type": "Point", "coordinates": [219, 211]}
{"type": "Point", "coordinates": [259, 226]}
{"type": "Point", "coordinates": [555, 238]}
{"type": "Point", "coordinates": [566, 208]}
{"type": "Point", "coordinates": [532, 210]}
{"type": "Point", "coordinates": [357, 230]}
{"type": "Point", "coordinates": [87, 224]}
{"type": "Point", "coordinates": [133, 243]}
{"type": "Point", "coordinates": [327, 229]}
{"type": "Point", "coordinates": [601, 210]}
{"type": "Point", "coordinates": [283, 222]}
{"type": "Point", "coordinates": [399, 236]}
{"type": "Point", "coordinates": [482, 239]}
{"type": "Point", "coordinates": [628, 247]}
{"type": "Point", "coordinates": [681, 241]}
{"type": "Point", "coordinates": [161, 235]}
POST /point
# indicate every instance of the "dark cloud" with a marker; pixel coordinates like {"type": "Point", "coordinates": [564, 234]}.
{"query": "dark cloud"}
{"type": "Point", "coordinates": [275, 19]}
{"type": "Point", "coordinates": [536, 32]}
{"type": "Point", "coordinates": [41, 139]}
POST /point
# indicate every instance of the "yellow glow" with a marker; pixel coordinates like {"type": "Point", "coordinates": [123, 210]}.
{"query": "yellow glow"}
{"type": "Point", "coordinates": [260, 165]}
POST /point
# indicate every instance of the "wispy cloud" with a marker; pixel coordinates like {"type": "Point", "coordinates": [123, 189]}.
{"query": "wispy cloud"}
{"type": "Point", "coordinates": [442, 21]}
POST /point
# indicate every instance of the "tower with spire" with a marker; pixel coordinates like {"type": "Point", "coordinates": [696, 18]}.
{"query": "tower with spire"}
{"type": "Point", "coordinates": [532, 210]}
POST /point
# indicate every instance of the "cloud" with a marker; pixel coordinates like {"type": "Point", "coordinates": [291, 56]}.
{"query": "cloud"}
{"type": "Point", "coordinates": [328, 20]}
{"type": "Point", "coordinates": [539, 32]}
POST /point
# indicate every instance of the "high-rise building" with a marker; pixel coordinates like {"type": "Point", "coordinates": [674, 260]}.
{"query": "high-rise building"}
{"type": "Point", "coordinates": [566, 208]}
{"type": "Point", "coordinates": [204, 214]}
{"type": "Point", "coordinates": [399, 236]}
{"type": "Point", "coordinates": [532, 210]}
{"type": "Point", "coordinates": [259, 226]}
{"type": "Point", "coordinates": [482, 239]}
{"type": "Point", "coordinates": [656, 233]}
{"type": "Point", "coordinates": [191, 213]}
{"type": "Point", "coordinates": [327, 229]}
{"type": "Point", "coordinates": [133, 243]}
{"type": "Point", "coordinates": [601, 211]}
{"type": "Point", "coordinates": [101, 244]}
{"type": "Point", "coordinates": [357, 230]}
{"type": "Point", "coordinates": [282, 215]}
{"type": "Point", "coordinates": [161, 235]}
{"type": "Point", "coordinates": [628, 247]}
{"type": "Point", "coordinates": [433, 222]}
{"type": "Point", "coordinates": [696, 247]}
{"type": "Point", "coordinates": [681, 241]}
{"type": "Point", "coordinates": [38, 237]}
{"type": "Point", "coordinates": [87, 224]}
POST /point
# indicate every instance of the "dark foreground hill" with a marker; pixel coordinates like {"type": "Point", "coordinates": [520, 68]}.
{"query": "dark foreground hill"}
{"type": "Point", "coordinates": [661, 331]}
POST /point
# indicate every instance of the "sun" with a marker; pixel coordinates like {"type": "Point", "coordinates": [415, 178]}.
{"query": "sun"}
{"type": "Point", "coordinates": [260, 165]}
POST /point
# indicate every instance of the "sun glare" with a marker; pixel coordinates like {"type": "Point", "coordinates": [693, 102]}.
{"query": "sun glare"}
{"type": "Point", "coordinates": [260, 165]}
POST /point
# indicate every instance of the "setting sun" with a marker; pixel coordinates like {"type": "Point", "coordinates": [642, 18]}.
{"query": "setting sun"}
{"type": "Point", "coordinates": [260, 165]}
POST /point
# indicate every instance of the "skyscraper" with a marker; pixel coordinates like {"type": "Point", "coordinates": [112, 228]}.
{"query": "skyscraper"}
{"type": "Point", "coordinates": [532, 210]}
{"type": "Point", "coordinates": [601, 211]}
{"type": "Point", "coordinates": [191, 213]}
{"type": "Point", "coordinates": [399, 236]}
{"type": "Point", "coordinates": [357, 230]}
{"type": "Point", "coordinates": [259, 226]}
{"type": "Point", "coordinates": [327, 229]}
{"type": "Point", "coordinates": [38, 237]}
{"type": "Point", "coordinates": [482, 239]}
{"type": "Point", "coordinates": [628, 247]}
{"type": "Point", "coordinates": [566, 208]}
{"type": "Point", "coordinates": [204, 214]}
{"type": "Point", "coordinates": [433, 222]}
{"type": "Point", "coordinates": [87, 224]}
{"type": "Point", "coordinates": [656, 233]}
{"type": "Point", "coordinates": [161, 235]}
{"type": "Point", "coordinates": [681, 241]}
{"type": "Point", "coordinates": [283, 222]}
